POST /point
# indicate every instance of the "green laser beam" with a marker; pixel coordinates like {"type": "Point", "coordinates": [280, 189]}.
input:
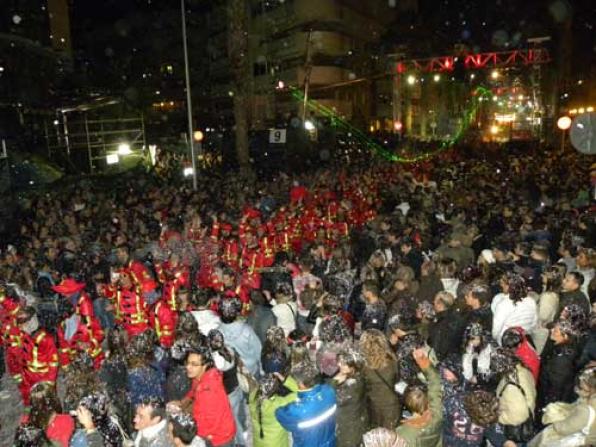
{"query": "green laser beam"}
{"type": "Point", "coordinates": [359, 135]}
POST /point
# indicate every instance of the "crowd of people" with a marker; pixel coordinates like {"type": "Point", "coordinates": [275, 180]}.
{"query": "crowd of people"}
{"type": "Point", "coordinates": [447, 303]}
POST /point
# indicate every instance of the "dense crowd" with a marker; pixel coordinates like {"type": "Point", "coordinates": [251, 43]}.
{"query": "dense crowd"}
{"type": "Point", "coordinates": [447, 303]}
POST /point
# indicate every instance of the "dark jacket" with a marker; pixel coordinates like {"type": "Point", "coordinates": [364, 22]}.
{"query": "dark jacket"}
{"type": "Point", "coordinates": [352, 417]}
{"type": "Point", "coordinates": [445, 335]}
{"type": "Point", "coordinates": [557, 373]}
{"type": "Point", "coordinates": [261, 319]}
{"type": "Point", "coordinates": [384, 406]}
{"type": "Point", "coordinates": [144, 382]}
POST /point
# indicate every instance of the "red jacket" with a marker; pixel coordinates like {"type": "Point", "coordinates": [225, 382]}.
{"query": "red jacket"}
{"type": "Point", "coordinates": [130, 309]}
{"type": "Point", "coordinates": [163, 319]}
{"type": "Point", "coordinates": [211, 408]}
{"type": "Point", "coordinates": [87, 338]}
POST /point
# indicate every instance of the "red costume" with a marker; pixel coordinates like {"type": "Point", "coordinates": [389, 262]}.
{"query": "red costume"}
{"type": "Point", "coordinates": [130, 308]}
{"type": "Point", "coordinates": [39, 361]}
{"type": "Point", "coordinates": [88, 334]}
{"type": "Point", "coordinates": [163, 319]}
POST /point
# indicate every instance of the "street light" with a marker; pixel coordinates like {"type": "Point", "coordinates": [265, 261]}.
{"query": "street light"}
{"type": "Point", "coordinates": [437, 77]}
{"type": "Point", "coordinates": [494, 129]}
{"type": "Point", "coordinates": [188, 98]}
{"type": "Point", "coordinates": [124, 149]}
{"type": "Point", "coordinates": [494, 74]}
{"type": "Point", "coordinates": [112, 159]}
{"type": "Point", "coordinates": [563, 123]}
{"type": "Point", "coordinates": [308, 125]}
{"type": "Point", "coordinates": [411, 80]}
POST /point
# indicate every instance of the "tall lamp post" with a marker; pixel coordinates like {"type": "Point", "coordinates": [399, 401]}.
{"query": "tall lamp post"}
{"type": "Point", "coordinates": [563, 123]}
{"type": "Point", "coordinates": [188, 99]}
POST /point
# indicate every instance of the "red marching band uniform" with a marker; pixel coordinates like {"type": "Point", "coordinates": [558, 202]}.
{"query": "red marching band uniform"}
{"type": "Point", "coordinates": [88, 335]}
{"type": "Point", "coordinates": [164, 314]}
{"type": "Point", "coordinates": [130, 308]}
{"type": "Point", "coordinates": [11, 334]}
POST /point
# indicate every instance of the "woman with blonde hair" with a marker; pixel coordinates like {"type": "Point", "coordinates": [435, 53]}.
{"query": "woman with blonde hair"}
{"type": "Point", "coordinates": [380, 376]}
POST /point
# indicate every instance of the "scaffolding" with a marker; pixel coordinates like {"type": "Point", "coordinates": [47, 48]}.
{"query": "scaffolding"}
{"type": "Point", "coordinates": [84, 139]}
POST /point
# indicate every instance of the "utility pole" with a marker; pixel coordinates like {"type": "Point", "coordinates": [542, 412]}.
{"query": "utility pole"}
{"type": "Point", "coordinates": [188, 99]}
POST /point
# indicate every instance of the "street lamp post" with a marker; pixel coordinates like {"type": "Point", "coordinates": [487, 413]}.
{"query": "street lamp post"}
{"type": "Point", "coordinates": [188, 99]}
{"type": "Point", "coordinates": [563, 123]}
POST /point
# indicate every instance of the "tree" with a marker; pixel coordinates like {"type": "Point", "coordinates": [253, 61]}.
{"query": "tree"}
{"type": "Point", "coordinates": [238, 54]}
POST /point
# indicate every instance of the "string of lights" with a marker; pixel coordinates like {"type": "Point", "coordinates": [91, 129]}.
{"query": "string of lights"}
{"type": "Point", "coordinates": [363, 138]}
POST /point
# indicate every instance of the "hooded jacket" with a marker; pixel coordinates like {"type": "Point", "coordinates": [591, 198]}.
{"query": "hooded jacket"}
{"type": "Point", "coordinates": [311, 418]}
{"type": "Point", "coordinates": [242, 338]}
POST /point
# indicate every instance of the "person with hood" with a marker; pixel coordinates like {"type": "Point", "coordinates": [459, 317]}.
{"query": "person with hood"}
{"type": "Point", "coordinates": [352, 417]}
{"type": "Point", "coordinates": [80, 330]}
{"type": "Point", "coordinates": [380, 376]}
{"type": "Point", "coordinates": [311, 417]}
{"type": "Point", "coordinates": [239, 336]}
{"type": "Point", "coordinates": [424, 427]}
{"type": "Point", "coordinates": [264, 398]}
{"type": "Point", "coordinates": [99, 428]}
{"type": "Point", "coordinates": [571, 424]}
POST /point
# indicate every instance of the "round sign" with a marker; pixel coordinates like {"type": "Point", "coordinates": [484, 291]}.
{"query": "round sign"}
{"type": "Point", "coordinates": [583, 133]}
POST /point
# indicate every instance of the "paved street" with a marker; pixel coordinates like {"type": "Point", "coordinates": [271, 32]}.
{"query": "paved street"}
{"type": "Point", "coordinates": [10, 411]}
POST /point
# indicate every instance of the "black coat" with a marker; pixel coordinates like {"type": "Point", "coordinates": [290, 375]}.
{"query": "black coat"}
{"type": "Point", "coordinates": [557, 373]}
{"type": "Point", "coordinates": [445, 335]}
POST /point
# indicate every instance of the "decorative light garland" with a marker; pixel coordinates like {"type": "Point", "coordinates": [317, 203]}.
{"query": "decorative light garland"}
{"type": "Point", "coordinates": [361, 137]}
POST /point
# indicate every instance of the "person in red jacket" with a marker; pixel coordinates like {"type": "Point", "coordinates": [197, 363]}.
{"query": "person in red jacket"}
{"type": "Point", "coordinates": [210, 405]}
{"type": "Point", "coordinates": [37, 353]}
{"type": "Point", "coordinates": [10, 334]}
{"type": "Point", "coordinates": [81, 331]}
{"type": "Point", "coordinates": [163, 317]}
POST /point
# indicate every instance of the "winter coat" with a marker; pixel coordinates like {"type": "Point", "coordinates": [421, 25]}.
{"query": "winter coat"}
{"type": "Point", "coordinates": [383, 403]}
{"type": "Point", "coordinates": [426, 430]}
{"type": "Point", "coordinates": [144, 382]}
{"type": "Point", "coordinates": [352, 417]}
{"type": "Point", "coordinates": [513, 406]}
{"type": "Point", "coordinates": [311, 418]}
{"type": "Point", "coordinates": [274, 434]}
{"type": "Point", "coordinates": [429, 286]}
{"type": "Point", "coordinates": [557, 374]}
{"type": "Point", "coordinates": [261, 319]}
{"type": "Point", "coordinates": [445, 335]}
{"type": "Point", "coordinates": [589, 350]}
{"type": "Point", "coordinates": [177, 383]}
{"type": "Point", "coordinates": [571, 419]}
{"type": "Point", "coordinates": [508, 314]}
{"type": "Point", "coordinates": [241, 337]}
{"type": "Point", "coordinates": [211, 408]}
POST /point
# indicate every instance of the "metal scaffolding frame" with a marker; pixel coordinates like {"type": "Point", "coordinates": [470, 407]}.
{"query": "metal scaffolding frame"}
{"type": "Point", "coordinates": [75, 133]}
